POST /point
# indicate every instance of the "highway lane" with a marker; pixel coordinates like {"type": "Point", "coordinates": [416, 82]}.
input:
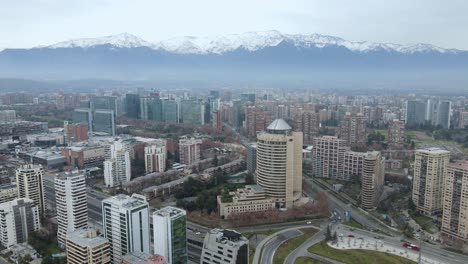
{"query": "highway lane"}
{"type": "Point", "coordinates": [272, 245]}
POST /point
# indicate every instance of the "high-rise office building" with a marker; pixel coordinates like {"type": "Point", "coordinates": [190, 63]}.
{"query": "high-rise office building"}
{"type": "Point", "coordinates": [86, 246]}
{"type": "Point", "coordinates": [105, 103]}
{"type": "Point", "coordinates": [396, 133]}
{"type": "Point", "coordinates": [247, 97]}
{"type": "Point", "coordinates": [104, 121]}
{"type": "Point", "coordinates": [132, 105]}
{"type": "Point", "coordinates": [455, 204]}
{"type": "Point", "coordinates": [415, 113]}
{"type": "Point", "coordinates": [353, 129]}
{"type": "Point", "coordinates": [279, 163]}
{"type": "Point", "coordinates": [327, 157]}
{"type": "Point", "coordinates": [225, 246]}
{"type": "Point", "coordinates": [151, 108]}
{"type": "Point", "coordinates": [71, 203]}
{"type": "Point", "coordinates": [429, 169]}
{"type": "Point", "coordinates": [29, 180]}
{"type": "Point", "coordinates": [192, 112]}
{"type": "Point", "coordinates": [251, 158]}
{"type": "Point", "coordinates": [237, 114]}
{"type": "Point", "coordinates": [372, 179]}
{"type": "Point", "coordinates": [170, 239]}
{"type": "Point", "coordinates": [189, 150]}
{"type": "Point", "coordinates": [125, 223]}
{"type": "Point", "coordinates": [308, 123]}
{"type": "Point", "coordinates": [444, 109]}
{"type": "Point", "coordinates": [256, 120]}
{"type": "Point", "coordinates": [155, 157]}
{"type": "Point", "coordinates": [18, 218]}
{"type": "Point", "coordinates": [217, 120]}
{"type": "Point", "coordinates": [117, 170]}
{"type": "Point", "coordinates": [170, 111]}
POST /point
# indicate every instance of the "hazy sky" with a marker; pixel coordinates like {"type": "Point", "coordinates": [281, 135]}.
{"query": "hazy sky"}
{"type": "Point", "coordinates": [28, 23]}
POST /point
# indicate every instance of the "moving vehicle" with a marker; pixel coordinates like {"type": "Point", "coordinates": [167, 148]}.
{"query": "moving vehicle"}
{"type": "Point", "coordinates": [411, 246]}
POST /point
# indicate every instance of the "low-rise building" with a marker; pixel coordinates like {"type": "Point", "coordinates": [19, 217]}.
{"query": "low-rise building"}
{"type": "Point", "coordinates": [8, 192]}
{"type": "Point", "coordinates": [225, 246]}
{"type": "Point", "coordinates": [142, 258]}
{"type": "Point", "coordinates": [85, 246]}
{"type": "Point", "coordinates": [251, 198]}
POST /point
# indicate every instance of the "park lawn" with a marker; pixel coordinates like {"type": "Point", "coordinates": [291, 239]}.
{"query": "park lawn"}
{"type": "Point", "coordinates": [252, 254]}
{"type": "Point", "coordinates": [425, 223]}
{"type": "Point", "coordinates": [383, 132]}
{"type": "Point", "coordinates": [306, 260]}
{"type": "Point", "coordinates": [290, 245]}
{"type": "Point", "coordinates": [353, 223]}
{"type": "Point", "coordinates": [357, 256]}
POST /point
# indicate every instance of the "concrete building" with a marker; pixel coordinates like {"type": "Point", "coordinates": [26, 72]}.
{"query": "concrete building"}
{"type": "Point", "coordinates": [125, 221]}
{"type": "Point", "coordinates": [279, 163]}
{"type": "Point", "coordinates": [86, 246]}
{"type": "Point", "coordinates": [71, 204]}
{"type": "Point", "coordinates": [463, 119]}
{"type": "Point", "coordinates": [256, 120]}
{"type": "Point", "coordinates": [251, 198]}
{"type": "Point", "coordinates": [98, 120]}
{"type": "Point", "coordinates": [84, 156]}
{"type": "Point", "coordinates": [307, 122]}
{"type": "Point", "coordinates": [132, 105]}
{"type": "Point", "coordinates": [189, 150]}
{"type": "Point", "coordinates": [353, 129]}
{"type": "Point", "coordinates": [7, 116]}
{"type": "Point", "coordinates": [8, 192]}
{"type": "Point", "coordinates": [251, 158]}
{"type": "Point", "coordinates": [455, 204]}
{"type": "Point", "coordinates": [192, 112]}
{"type": "Point", "coordinates": [327, 156]}
{"type": "Point", "coordinates": [217, 120]}
{"type": "Point", "coordinates": [396, 133]}
{"type": "Point", "coordinates": [76, 132]}
{"type": "Point", "coordinates": [225, 246]}
{"type": "Point", "coordinates": [170, 238]}
{"type": "Point", "coordinates": [429, 169]}
{"type": "Point", "coordinates": [372, 179]}
{"type": "Point", "coordinates": [18, 219]}
{"type": "Point", "coordinates": [117, 168]}
{"type": "Point", "coordinates": [155, 157]}
{"type": "Point", "coordinates": [351, 169]}
{"type": "Point", "coordinates": [30, 184]}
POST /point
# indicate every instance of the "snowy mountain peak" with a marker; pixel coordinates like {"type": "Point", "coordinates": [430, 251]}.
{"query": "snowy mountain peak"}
{"type": "Point", "coordinates": [122, 40]}
{"type": "Point", "coordinates": [250, 41]}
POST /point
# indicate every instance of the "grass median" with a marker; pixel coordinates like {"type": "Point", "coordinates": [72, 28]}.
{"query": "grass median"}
{"type": "Point", "coordinates": [357, 256]}
{"type": "Point", "coordinates": [290, 245]}
{"type": "Point", "coordinates": [306, 260]}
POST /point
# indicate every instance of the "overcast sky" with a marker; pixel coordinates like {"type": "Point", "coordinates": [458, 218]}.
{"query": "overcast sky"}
{"type": "Point", "coordinates": [28, 23]}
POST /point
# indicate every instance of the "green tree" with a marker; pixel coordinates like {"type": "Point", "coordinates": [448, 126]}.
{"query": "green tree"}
{"type": "Point", "coordinates": [328, 234]}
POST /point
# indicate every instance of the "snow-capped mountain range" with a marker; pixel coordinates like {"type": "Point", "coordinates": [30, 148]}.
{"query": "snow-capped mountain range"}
{"type": "Point", "coordinates": [250, 41]}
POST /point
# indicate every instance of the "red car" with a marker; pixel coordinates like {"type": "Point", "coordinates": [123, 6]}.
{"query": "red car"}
{"type": "Point", "coordinates": [350, 235]}
{"type": "Point", "coordinates": [411, 246]}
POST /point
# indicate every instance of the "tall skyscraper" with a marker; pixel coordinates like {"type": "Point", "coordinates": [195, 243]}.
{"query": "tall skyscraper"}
{"type": "Point", "coordinates": [415, 113]}
{"type": "Point", "coordinates": [155, 157]}
{"type": "Point", "coordinates": [251, 158]}
{"type": "Point", "coordinates": [18, 218]}
{"type": "Point", "coordinates": [429, 169]}
{"type": "Point", "coordinates": [396, 133]}
{"type": "Point", "coordinates": [237, 114]}
{"type": "Point", "coordinates": [327, 157]}
{"type": "Point", "coordinates": [455, 204]}
{"type": "Point", "coordinates": [132, 105]}
{"type": "Point", "coordinates": [29, 180]}
{"type": "Point", "coordinates": [189, 150]}
{"type": "Point", "coordinates": [444, 109]}
{"type": "Point", "coordinates": [279, 163]}
{"type": "Point", "coordinates": [372, 179]}
{"type": "Point", "coordinates": [86, 246]}
{"type": "Point", "coordinates": [308, 123]}
{"type": "Point", "coordinates": [125, 222]}
{"type": "Point", "coordinates": [170, 111]}
{"type": "Point", "coordinates": [247, 97]}
{"type": "Point", "coordinates": [170, 239]}
{"type": "Point", "coordinates": [228, 245]}
{"type": "Point", "coordinates": [71, 203]}
{"type": "Point", "coordinates": [353, 129]}
{"type": "Point", "coordinates": [104, 121]}
{"type": "Point", "coordinates": [192, 112]}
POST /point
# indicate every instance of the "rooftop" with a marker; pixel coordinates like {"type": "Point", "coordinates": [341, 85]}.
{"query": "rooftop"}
{"type": "Point", "coordinates": [169, 211]}
{"type": "Point", "coordinates": [279, 125]}
{"type": "Point", "coordinates": [126, 201]}
{"type": "Point", "coordinates": [433, 150]}
{"type": "Point", "coordinates": [86, 238]}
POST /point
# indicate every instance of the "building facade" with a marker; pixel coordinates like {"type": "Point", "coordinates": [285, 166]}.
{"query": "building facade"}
{"type": "Point", "coordinates": [225, 246]}
{"type": "Point", "coordinates": [86, 246]}
{"type": "Point", "coordinates": [76, 132]}
{"type": "Point", "coordinates": [117, 169]}
{"type": "Point", "coordinates": [353, 129]}
{"type": "Point", "coordinates": [251, 198]}
{"type": "Point", "coordinates": [18, 219]}
{"type": "Point", "coordinates": [455, 204]}
{"type": "Point", "coordinates": [307, 122]}
{"type": "Point", "coordinates": [170, 238]}
{"type": "Point", "coordinates": [125, 222]}
{"type": "Point", "coordinates": [256, 120]}
{"type": "Point", "coordinates": [30, 184]}
{"type": "Point", "coordinates": [279, 163]}
{"type": "Point", "coordinates": [71, 204]}
{"type": "Point", "coordinates": [429, 169]}
{"type": "Point", "coordinates": [189, 150]}
{"type": "Point", "coordinates": [396, 133]}
{"type": "Point", "coordinates": [372, 179]}
{"type": "Point", "coordinates": [327, 157]}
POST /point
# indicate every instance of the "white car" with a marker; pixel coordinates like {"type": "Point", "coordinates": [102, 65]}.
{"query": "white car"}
{"type": "Point", "coordinates": [308, 222]}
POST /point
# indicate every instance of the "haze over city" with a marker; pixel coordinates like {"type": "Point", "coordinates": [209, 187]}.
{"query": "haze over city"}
{"type": "Point", "coordinates": [236, 132]}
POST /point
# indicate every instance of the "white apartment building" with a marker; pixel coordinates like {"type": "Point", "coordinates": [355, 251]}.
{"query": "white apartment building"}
{"type": "Point", "coordinates": [224, 246]}
{"type": "Point", "coordinates": [18, 218]}
{"type": "Point", "coordinates": [71, 204]}
{"type": "Point", "coordinates": [155, 157]}
{"type": "Point", "coordinates": [30, 184]}
{"type": "Point", "coordinates": [125, 220]}
{"type": "Point", "coordinates": [170, 238]}
{"type": "Point", "coordinates": [189, 150]}
{"type": "Point", "coordinates": [117, 170]}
